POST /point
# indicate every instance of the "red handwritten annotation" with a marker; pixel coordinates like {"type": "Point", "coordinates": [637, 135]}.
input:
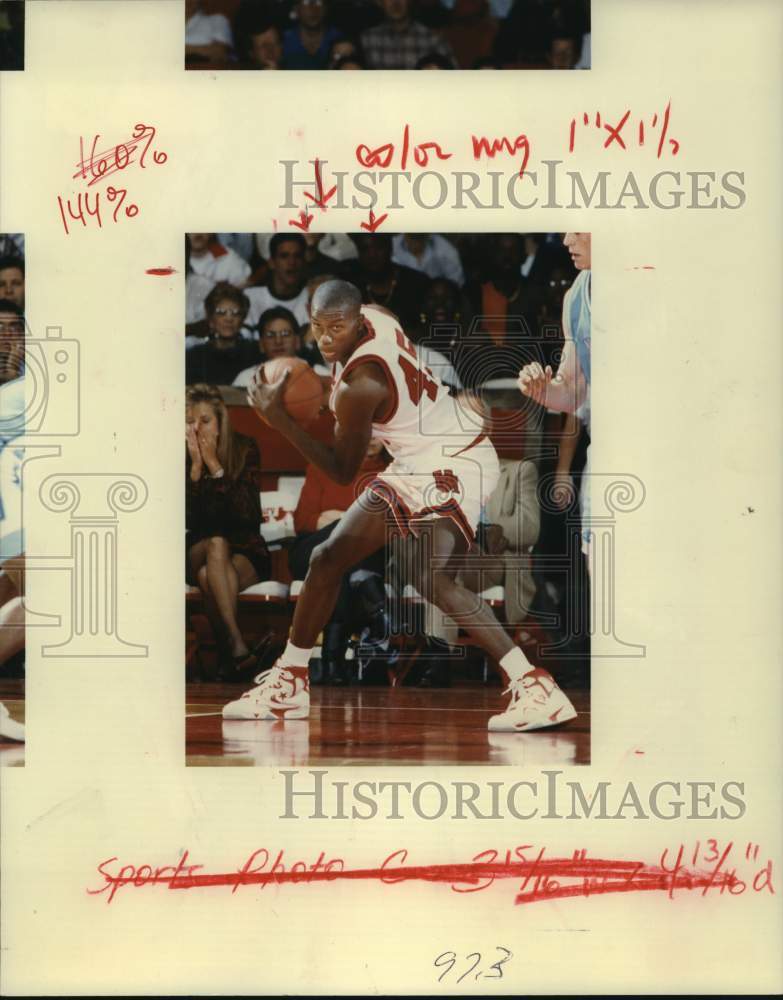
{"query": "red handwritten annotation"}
{"type": "Point", "coordinates": [707, 868]}
{"type": "Point", "coordinates": [162, 272]}
{"type": "Point", "coordinates": [97, 166]}
{"type": "Point", "coordinates": [615, 132]}
{"type": "Point", "coordinates": [408, 152]}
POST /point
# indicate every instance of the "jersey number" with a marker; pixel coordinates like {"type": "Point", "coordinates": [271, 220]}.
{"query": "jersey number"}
{"type": "Point", "coordinates": [418, 381]}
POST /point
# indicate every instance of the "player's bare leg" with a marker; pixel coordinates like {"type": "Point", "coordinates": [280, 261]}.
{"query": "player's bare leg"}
{"type": "Point", "coordinates": [536, 700]}
{"type": "Point", "coordinates": [284, 691]}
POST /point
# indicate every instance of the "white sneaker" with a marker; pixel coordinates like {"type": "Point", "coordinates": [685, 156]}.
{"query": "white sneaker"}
{"type": "Point", "coordinates": [536, 703]}
{"type": "Point", "coordinates": [9, 728]}
{"type": "Point", "coordinates": [280, 693]}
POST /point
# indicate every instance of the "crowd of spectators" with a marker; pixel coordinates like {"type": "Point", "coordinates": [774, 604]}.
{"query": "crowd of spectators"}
{"type": "Point", "coordinates": [477, 306]}
{"type": "Point", "coordinates": [456, 295]}
{"type": "Point", "coordinates": [387, 34]}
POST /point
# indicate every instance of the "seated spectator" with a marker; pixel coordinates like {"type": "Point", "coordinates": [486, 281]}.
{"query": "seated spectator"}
{"type": "Point", "coordinates": [337, 246]}
{"type": "Point", "coordinates": [12, 330]}
{"type": "Point", "coordinates": [12, 280]}
{"type": "Point", "coordinates": [225, 550]}
{"type": "Point", "coordinates": [562, 52]}
{"type": "Point", "coordinates": [503, 306]}
{"type": "Point", "coordinates": [399, 42]}
{"type": "Point", "coordinates": [226, 353]}
{"type": "Point", "coordinates": [362, 596]}
{"type": "Point", "coordinates": [308, 45]}
{"type": "Point", "coordinates": [259, 38]}
{"type": "Point", "coordinates": [286, 285]}
{"type": "Point", "coordinates": [279, 337]}
{"type": "Point", "coordinates": [399, 289]}
{"type": "Point", "coordinates": [207, 36]}
{"type": "Point", "coordinates": [433, 255]}
{"type": "Point", "coordinates": [207, 257]}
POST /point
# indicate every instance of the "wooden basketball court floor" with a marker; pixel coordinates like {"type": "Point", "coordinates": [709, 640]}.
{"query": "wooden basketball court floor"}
{"type": "Point", "coordinates": [380, 725]}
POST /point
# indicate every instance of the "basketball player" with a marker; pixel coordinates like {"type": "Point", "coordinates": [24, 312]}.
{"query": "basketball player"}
{"type": "Point", "coordinates": [569, 390]}
{"type": "Point", "coordinates": [432, 490]}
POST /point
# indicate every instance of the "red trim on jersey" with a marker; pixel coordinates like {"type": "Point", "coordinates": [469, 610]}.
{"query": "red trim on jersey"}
{"type": "Point", "coordinates": [369, 335]}
{"type": "Point", "coordinates": [450, 508]}
{"type": "Point", "coordinates": [403, 516]}
{"type": "Point", "coordinates": [217, 249]}
{"type": "Point", "coordinates": [378, 360]}
{"type": "Point", "coordinates": [473, 443]}
{"type": "Point", "coordinates": [400, 511]}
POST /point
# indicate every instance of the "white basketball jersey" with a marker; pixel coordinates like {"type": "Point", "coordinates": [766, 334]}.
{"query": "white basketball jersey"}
{"type": "Point", "coordinates": [421, 414]}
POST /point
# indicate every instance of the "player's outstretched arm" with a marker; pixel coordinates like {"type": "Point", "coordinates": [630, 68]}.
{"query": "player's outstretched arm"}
{"type": "Point", "coordinates": [357, 403]}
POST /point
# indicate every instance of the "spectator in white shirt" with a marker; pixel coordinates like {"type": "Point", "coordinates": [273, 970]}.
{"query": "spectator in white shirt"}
{"type": "Point", "coordinates": [208, 37]}
{"type": "Point", "coordinates": [433, 255]}
{"type": "Point", "coordinates": [208, 258]}
{"type": "Point", "coordinates": [286, 286]}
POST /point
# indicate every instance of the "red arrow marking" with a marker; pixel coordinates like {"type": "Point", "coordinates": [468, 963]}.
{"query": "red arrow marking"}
{"type": "Point", "coordinates": [303, 222]}
{"type": "Point", "coordinates": [323, 196]}
{"type": "Point", "coordinates": [374, 223]}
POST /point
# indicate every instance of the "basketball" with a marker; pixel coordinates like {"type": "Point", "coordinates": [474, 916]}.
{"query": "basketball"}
{"type": "Point", "coordinates": [304, 392]}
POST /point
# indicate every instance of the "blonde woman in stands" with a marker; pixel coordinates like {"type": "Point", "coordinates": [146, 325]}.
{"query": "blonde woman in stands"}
{"type": "Point", "coordinates": [225, 550]}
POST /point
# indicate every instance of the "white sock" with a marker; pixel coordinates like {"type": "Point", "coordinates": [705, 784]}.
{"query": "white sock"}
{"type": "Point", "coordinates": [515, 664]}
{"type": "Point", "coordinates": [293, 656]}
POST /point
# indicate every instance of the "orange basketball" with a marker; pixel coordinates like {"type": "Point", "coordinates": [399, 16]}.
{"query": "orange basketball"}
{"type": "Point", "coordinates": [303, 396]}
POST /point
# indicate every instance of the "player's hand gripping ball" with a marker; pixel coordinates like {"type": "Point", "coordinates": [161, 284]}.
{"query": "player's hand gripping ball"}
{"type": "Point", "coordinates": [286, 384]}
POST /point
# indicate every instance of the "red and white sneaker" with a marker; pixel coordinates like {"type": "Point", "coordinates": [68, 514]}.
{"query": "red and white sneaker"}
{"type": "Point", "coordinates": [536, 703]}
{"type": "Point", "coordinates": [280, 693]}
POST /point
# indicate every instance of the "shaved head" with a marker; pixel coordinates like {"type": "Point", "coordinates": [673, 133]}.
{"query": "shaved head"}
{"type": "Point", "coordinates": [336, 296]}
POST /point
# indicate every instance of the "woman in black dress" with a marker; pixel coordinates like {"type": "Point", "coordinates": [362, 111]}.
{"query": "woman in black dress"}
{"type": "Point", "coordinates": [225, 550]}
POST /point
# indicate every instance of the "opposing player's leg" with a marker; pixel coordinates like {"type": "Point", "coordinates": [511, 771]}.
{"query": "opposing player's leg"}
{"type": "Point", "coordinates": [284, 691]}
{"type": "Point", "coordinates": [536, 701]}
